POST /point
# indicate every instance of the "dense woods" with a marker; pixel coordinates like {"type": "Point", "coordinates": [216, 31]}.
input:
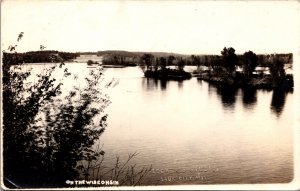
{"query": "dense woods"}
{"type": "Point", "coordinates": [43, 56]}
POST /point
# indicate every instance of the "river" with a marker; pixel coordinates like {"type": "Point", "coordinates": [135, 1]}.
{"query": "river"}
{"type": "Point", "coordinates": [192, 132]}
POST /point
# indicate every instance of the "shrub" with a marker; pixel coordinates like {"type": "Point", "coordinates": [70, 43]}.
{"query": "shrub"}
{"type": "Point", "coordinates": [45, 135]}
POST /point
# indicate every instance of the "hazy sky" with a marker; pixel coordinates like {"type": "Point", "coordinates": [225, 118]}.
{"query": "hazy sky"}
{"type": "Point", "coordinates": [192, 27]}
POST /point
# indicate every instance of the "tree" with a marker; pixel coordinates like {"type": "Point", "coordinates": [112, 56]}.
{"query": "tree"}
{"type": "Point", "coordinates": [180, 64]}
{"type": "Point", "coordinates": [162, 63]}
{"type": "Point", "coordinates": [171, 58]}
{"type": "Point", "coordinates": [156, 64]}
{"type": "Point", "coordinates": [250, 63]}
{"type": "Point", "coordinates": [90, 62]}
{"type": "Point", "coordinates": [44, 133]}
{"type": "Point", "coordinates": [196, 61]}
{"type": "Point", "coordinates": [229, 59]}
{"type": "Point", "coordinates": [277, 71]}
{"type": "Point", "coordinates": [148, 59]}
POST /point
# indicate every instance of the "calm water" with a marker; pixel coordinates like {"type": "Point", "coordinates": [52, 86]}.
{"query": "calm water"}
{"type": "Point", "coordinates": [192, 132]}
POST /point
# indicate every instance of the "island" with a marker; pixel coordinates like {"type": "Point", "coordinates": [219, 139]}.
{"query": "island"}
{"type": "Point", "coordinates": [157, 68]}
{"type": "Point", "coordinates": [248, 70]}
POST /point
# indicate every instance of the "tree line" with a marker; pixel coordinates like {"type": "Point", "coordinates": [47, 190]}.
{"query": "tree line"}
{"type": "Point", "coordinates": [263, 60]}
{"type": "Point", "coordinates": [229, 67]}
{"type": "Point", "coordinates": [37, 57]}
{"type": "Point", "coordinates": [224, 68]}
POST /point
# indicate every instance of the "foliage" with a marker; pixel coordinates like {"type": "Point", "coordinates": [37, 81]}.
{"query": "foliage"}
{"type": "Point", "coordinates": [229, 58]}
{"type": "Point", "coordinates": [195, 60]}
{"type": "Point", "coordinates": [45, 134]}
{"type": "Point", "coordinates": [37, 56]}
{"type": "Point", "coordinates": [163, 63]}
{"type": "Point", "coordinates": [148, 60]}
{"type": "Point", "coordinates": [224, 70]}
{"type": "Point", "coordinates": [124, 172]}
{"type": "Point", "coordinates": [180, 64]}
{"type": "Point", "coordinates": [277, 72]}
{"type": "Point", "coordinates": [250, 63]}
{"type": "Point", "coordinates": [91, 62]}
{"type": "Point", "coordinates": [168, 74]}
{"type": "Point", "coordinates": [170, 60]}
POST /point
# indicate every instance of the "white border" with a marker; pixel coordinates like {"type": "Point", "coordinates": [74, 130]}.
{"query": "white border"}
{"type": "Point", "coordinates": [294, 185]}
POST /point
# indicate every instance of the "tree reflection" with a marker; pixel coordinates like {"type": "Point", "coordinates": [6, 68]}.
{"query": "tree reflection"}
{"type": "Point", "coordinates": [211, 88]}
{"type": "Point", "coordinates": [227, 95]}
{"type": "Point", "coordinates": [278, 101]}
{"type": "Point", "coordinates": [149, 84]}
{"type": "Point", "coordinates": [249, 97]}
{"type": "Point", "coordinates": [180, 84]}
{"type": "Point", "coordinates": [163, 84]}
{"type": "Point", "coordinates": [154, 84]}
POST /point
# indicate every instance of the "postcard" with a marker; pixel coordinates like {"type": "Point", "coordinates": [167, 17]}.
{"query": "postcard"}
{"type": "Point", "coordinates": [150, 95]}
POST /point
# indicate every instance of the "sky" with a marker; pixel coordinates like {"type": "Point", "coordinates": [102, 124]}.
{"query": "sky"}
{"type": "Point", "coordinates": [187, 27]}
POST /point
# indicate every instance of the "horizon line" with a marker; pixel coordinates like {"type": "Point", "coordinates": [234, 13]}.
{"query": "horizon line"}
{"type": "Point", "coordinates": [142, 51]}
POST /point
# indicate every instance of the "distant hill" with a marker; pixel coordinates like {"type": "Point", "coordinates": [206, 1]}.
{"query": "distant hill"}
{"type": "Point", "coordinates": [86, 53]}
{"type": "Point", "coordinates": [133, 54]}
{"type": "Point", "coordinates": [117, 53]}
{"type": "Point", "coordinates": [161, 54]}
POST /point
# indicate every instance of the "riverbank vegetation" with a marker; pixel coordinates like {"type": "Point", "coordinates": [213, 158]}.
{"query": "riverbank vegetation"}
{"type": "Point", "coordinates": [265, 71]}
{"type": "Point", "coordinates": [48, 134]}
{"type": "Point", "coordinates": [240, 71]}
{"type": "Point", "coordinates": [42, 56]}
{"type": "Point", "coordinates": [119, 58]}
{"type": "Point", "coordinates": [157, 68]}
{"type": "Point", "coordinates": [45, 134]}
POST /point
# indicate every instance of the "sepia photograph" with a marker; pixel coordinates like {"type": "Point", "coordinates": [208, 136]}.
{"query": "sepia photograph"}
{"type": "Point", "coordinates": [150, 95]}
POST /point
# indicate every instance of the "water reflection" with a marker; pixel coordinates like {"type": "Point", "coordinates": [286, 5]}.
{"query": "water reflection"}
{"type": "Point", "coordinates": [211, 88]}
{"type": "Point", "coordinates": [249, 97]}
{"type": "Point", "coordinates": [278, 101]}
{"type": "Point", "coordinates": [163, 84]}
{"type": "Point", "coordinates": [154, 127]}
{"type": "Point", "coordinates": [149, 84]}
{"type": "Point", "coordinates": [228, 96]}
{"type": "Point", "coordinates": [204, 110]}
{"type": "Point", "coordinates": [154, 84]}
{"type": "Point", "coordinates": [180, 84]}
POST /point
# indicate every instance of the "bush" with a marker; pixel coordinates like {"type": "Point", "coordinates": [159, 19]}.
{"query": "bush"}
{"type": "Point", "coordinates": [45, 135]}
